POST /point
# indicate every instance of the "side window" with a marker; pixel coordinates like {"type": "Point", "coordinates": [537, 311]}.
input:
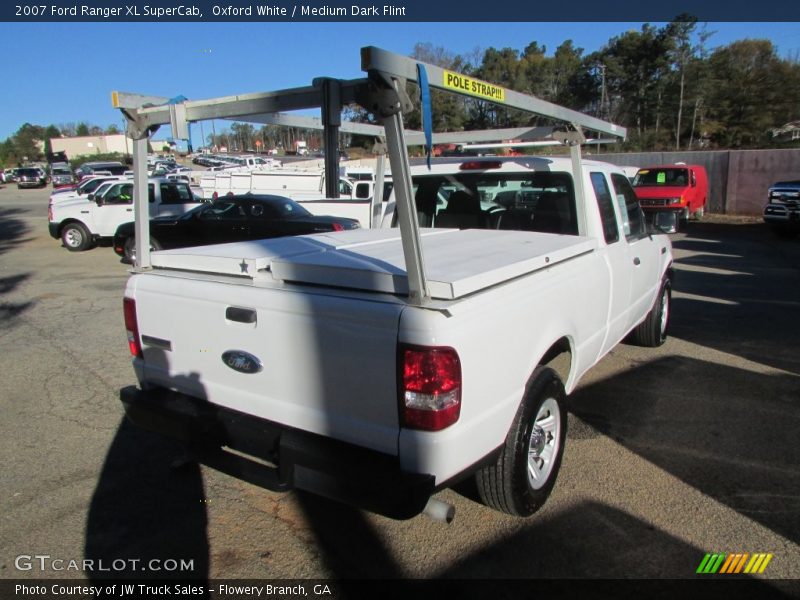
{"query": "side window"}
{"type": "Point", "coordinates": [344, 188]}
{"type": "Point", "coordinates": [169, 194]}
{"type": "Point", "coordinates": [151, 193]}
{"type": "Point", "coordinates": [263, 210]}
{"type": "Point", "coordinates": [119, 194]}
{"type": "Point", "coordinates": [632, 215]}
{"type": "Point", "coordinates": [606, 206]}
{"type": "Point", "coordinates": [362, 190]}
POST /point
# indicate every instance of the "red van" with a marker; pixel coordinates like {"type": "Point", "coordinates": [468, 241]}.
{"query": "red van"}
{"type": "Point", "coordinates": [680, 189]}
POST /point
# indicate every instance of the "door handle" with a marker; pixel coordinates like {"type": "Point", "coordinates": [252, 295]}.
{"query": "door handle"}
{"type": "Point", "coordinates": [636, 261]}
{"type": "Point", "coordinates": [241, 315]}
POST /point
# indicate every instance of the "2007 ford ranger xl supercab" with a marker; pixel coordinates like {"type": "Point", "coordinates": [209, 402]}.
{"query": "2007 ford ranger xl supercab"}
{"type": "Point", "coordinates": [336, 364]}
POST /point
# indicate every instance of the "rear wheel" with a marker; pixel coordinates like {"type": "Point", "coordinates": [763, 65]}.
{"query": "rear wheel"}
{"type": "Point", "coordinates": [75, 237]}
{"type": "Point", "coordinates": [130, 248]}
{"type": "Point", "coordinates": [699, 213]}
{"type": "Point", "coordinates": [525, 473]}
{"type": "Point", "coordinates": [652, 332]}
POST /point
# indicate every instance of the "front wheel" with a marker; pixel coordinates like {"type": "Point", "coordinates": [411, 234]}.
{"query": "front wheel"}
{"type": "Point", "coordinates": [652, 332]}
{"type": "Point", "coordinates": [75, 237]}
{"type": "Point", "coordinates": [525, 473]}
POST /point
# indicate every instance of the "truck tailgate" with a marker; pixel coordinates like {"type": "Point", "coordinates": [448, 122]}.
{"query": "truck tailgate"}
{"type": "Point", "coordinates": [327, 361]}
{"type": "Point", "coordinates": [457, 262]}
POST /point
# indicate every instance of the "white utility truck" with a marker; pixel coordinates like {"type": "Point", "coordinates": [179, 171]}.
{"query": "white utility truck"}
{"type": "Point", "coordinates": [297, 184]}
{"type": "Point", "coordinates": [378, 366]}
{"type": "Point", "coordinates": [82, 221]}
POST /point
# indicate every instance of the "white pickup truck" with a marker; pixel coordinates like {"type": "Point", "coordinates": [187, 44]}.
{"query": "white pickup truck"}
{"type": "Point", "coordinates": [378, 366]}
{"type": "Point", "coordinates": [310, 357]}
{"type": "Point", "coordinates": [81, 221]}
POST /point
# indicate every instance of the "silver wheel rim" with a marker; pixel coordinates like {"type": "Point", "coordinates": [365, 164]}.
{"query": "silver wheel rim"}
{"type": "Point", "coordinates": [664, 312]}
{"type": "Point", "coordinates": [73, 237]}
{"type": "Point", "coordinates": [544, 443]}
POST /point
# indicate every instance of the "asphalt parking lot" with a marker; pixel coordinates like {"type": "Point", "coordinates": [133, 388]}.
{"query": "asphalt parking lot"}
{"type": "Point", "coordinates": [673, 453]}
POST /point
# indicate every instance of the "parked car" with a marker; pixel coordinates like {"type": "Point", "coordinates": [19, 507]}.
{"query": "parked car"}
{"type": "Point", "coordinates": [61, 176]}
{"type": "Point", "coordinates": [230, 219]}
{"type": "Point", "coordinates": [782, 212]}
{"type": "Point", "coordinates": [669, 194]}
{"type": "Point", "coordinates": [109, 167]}
{"type": "Point", "coordinates": [31, 177]}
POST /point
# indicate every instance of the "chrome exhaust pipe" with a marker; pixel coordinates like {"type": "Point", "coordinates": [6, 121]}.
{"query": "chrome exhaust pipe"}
{"type": "Point", "coordinates": [440, 511]}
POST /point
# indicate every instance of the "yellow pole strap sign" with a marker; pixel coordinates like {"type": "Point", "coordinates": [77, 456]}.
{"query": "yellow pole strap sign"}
{"type": "Point", "coordinates": [473, 87]}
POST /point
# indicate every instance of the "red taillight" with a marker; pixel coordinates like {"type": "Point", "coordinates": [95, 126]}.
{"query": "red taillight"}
{"type": "Point", "coordinates": [132, 327]}
{"type": "Point", "coordinates": [214, 196]}
{"type": "Point", "coordinates": [430, 387]}
{"type": "Point", "coordinates": [337, 227]}
{"type": "Point", "coordinates": [50, 212]}
{"type": "Point", "coordinates": [480, 165]}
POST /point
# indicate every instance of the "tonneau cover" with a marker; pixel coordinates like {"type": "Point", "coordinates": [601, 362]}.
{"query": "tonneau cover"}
{"type": "Point", "coordinates": [457, 263]}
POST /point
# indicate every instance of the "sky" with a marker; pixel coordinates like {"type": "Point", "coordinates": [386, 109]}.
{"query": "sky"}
{"type": "Point", "coordinates": [58, 73]}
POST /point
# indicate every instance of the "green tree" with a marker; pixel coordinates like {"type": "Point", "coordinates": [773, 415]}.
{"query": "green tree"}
{"type": "Point", "coordinates": [29, 142]}
{"type": "Point", "coordinates": [448, 110]}
{"type": "Point", "coordinates": [747, 95]}
{"type": "Point", "coordinates": [50, 132]}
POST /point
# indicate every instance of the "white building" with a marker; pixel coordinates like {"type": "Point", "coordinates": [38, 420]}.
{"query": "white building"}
{"type": "Point", "coordinates": [92, 144]}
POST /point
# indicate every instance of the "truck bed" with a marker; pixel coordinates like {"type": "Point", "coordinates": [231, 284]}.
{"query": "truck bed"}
{"type": "Point", "coordinates": [458, 262]}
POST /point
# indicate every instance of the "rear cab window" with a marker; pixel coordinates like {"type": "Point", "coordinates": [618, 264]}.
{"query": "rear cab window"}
{"type": "Point", "coordinates": [527, 201]}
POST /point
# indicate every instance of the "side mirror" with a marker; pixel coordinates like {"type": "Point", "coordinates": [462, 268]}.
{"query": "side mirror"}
{"type": "Point", "coordinates": [663, 222]}
{"type": "Point", "coordinates": [90, 197]}
{"type": "Point", "coordinates": [98, 201]}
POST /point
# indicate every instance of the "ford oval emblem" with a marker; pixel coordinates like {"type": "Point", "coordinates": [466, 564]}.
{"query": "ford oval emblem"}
{"type": "Point", "coordinates": [241, 361]}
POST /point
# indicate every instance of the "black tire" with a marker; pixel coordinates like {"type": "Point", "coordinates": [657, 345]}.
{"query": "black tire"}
{"type": "Point", "coordinates": [130, 248]}
{"type": "Point", "coordinates": [506, 485]}
{"type": "Point", "coordinates": [652, 332]}
{"type": "Point", "coordinates": [76, 237]}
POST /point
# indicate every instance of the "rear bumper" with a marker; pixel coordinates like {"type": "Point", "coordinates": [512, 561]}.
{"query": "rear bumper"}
{"type": "Point", "coordinates": [53, 229]}
{"type": "Point", "coordinates": [337, 470]}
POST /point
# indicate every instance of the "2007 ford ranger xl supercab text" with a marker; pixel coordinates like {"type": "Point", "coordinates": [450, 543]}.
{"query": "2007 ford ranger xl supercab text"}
{"type": "Point", "coordinates": [312, 354]}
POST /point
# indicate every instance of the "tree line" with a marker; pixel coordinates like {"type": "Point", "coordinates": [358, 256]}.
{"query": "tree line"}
{"type": "Point", "coordinates": [32, 142]}
{"type": "Point", "coordinates": [663, 84]}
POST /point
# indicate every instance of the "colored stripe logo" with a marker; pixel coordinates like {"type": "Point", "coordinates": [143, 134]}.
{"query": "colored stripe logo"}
{"type": "Point", "coordinates": [741, 562]}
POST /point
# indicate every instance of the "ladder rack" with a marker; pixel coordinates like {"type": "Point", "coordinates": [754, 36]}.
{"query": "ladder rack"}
{"type": "Point", "coordinates": [383, 93]}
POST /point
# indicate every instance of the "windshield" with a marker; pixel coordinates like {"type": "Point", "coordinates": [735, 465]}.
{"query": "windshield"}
{"type": "Point", "coordinates": [661, 177]}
